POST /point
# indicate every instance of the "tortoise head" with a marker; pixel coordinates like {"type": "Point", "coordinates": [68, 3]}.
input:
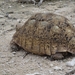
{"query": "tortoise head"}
{"type": "Point", "coordinates": [19, 25]}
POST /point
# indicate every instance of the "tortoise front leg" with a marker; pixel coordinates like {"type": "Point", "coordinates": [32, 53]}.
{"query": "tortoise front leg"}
{"type": "Point", "coordinates": [14, 46]}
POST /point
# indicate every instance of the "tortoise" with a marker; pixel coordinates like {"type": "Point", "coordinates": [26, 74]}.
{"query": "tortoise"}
{"type": "Point", "coordinates": [46, 34]}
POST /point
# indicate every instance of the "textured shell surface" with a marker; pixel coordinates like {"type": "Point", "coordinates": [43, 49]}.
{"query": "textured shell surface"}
{"type": "Point", "coordinates": [46, 34]}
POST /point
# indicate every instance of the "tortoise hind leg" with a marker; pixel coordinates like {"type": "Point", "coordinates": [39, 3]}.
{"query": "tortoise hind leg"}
{"type": "Point", "coordinates": [57, 56]}
{"type": "Point", "coordinates": [15, 47]}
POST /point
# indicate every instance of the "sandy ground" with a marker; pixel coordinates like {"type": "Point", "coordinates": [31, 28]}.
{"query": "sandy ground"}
{"type": "Point", "coordinates": [14, 63]}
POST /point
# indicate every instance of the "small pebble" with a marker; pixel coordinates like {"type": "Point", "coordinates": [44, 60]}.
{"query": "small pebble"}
{"type": "Point", "coordinates": [34, 74]}
{"type": "Point", "coordinates": [1, 16]}
{"type": "Point", "coordinates": [22, 5]}
{"type": "Point", "coordinates": [11, 12]}
{"type": "Point", "coordinates": [45, 57]}
{"type": "Point", "coordinates": [57, 68]}
{"type": "Point", "coordinates": [14, 52]}
{"type": "Point", "coordinates": [9, 6]}
{"type": "Point", "coordinates": [12, 25]}
{"type": "Point", "coordinates": [50, 72]}
{"type": "Point", "coordinates": [3, 24]}
{"type": "Point", "coordinates": [71, 63]}
{"type": "Point", "coordinates": [51, 65]}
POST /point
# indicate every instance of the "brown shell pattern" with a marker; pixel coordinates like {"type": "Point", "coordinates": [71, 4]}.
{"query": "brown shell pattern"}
{"type": "Point", "coordinates": [46, 34]}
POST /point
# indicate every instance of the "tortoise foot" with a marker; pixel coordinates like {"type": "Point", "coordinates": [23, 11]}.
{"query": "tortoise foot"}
{"type": "Point", "coordinates": [57, 56]}
{"type": "Point", "coordinates": [14, 46]}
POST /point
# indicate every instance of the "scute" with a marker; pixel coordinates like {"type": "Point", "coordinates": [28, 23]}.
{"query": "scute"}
{"type": "Point", "coordinates": [46, 34]}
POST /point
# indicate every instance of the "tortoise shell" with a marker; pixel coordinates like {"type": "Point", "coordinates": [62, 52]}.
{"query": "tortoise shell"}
{"type": "Point", "coordinates": [46, 34]}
